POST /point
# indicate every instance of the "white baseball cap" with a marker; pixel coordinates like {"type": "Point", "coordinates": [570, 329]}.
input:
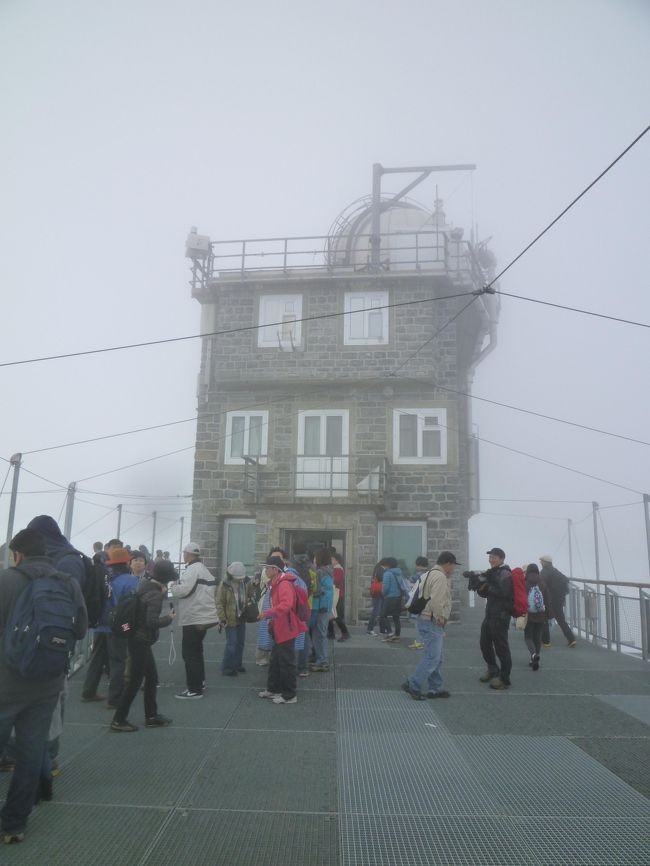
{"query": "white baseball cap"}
{"type": "Point", "coordinates": [192, 547]}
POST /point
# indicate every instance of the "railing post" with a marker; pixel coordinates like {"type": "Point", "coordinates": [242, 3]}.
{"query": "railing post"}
{"type": "Point", "coordinates": [608, 619]}
{"type": "Point", "coordinates": [284, 260]}
{"type": "Point", "coordinates": [643, 610]}
{"type": "Point", "coordinates": [243, 259]}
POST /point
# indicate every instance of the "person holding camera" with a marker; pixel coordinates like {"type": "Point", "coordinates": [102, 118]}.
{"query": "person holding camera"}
{"type": "Point", "coordinates": [496, 587]}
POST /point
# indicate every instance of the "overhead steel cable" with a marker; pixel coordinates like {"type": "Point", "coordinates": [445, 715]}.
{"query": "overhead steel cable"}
{"type": "Point", "coordinates": [110, 436]}
{"type": "Point", "coordinates": [568, 208]}
{"type": "Point", "coordinates": [575, 310]}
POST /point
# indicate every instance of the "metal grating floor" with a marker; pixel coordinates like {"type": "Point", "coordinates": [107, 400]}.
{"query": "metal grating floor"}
{"type": "Point", "coordinates": [637, 706]}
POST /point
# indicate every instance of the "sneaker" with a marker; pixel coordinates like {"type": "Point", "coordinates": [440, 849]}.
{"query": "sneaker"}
{"type": "Point", "coordinates": [547, 645]}
{"type": "Point", "coordinates": [278, 699]}
{"type": "Point", "coordinates": [123, 727]}
{"type": "Point", "coordinates": [386, 638]}
{"type": "Point", "coordinates": [487, 676]}
{"type": "Point", "coordinates": [91, 698]}
{"type": "Point", "coordinates": [56, 770]}
{"type": "Point", "coordinates": [572, 643]}
{"type": "Point", "coordinates": [534, 663]}
{"type": "Point", "coordinates": [406, 687]}
{"type": "Point", "coordinates": [262, 664]}
{"type": "Point", "coordinates": [395, 639]}
{"type": "Point", "coordinates": [345, 636]}
{"type": "Point", "coordinates": [499, 684]}
{"type": "Point", "coordinates": [13, 838]}
{"type": "Point", "coordinates": [441, 694]}
{"type": "Point", "coordinates": [157, 722]}
{"type": "Point", "coordinates": [416, 645]}
{"type": "Point", "coordinates": [371, 633]}
{"type": "Point", "coordinates": [303, 673]}
{"type": "Point", "coordinates": [319, 669]}
{"type": "Point", "coordinates": [267, 694]}
{"type": "Point", "coordinates": [187, 694]}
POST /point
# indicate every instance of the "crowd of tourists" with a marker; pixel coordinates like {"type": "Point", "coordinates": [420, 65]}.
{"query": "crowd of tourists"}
{"type": "Point", "coordinates": [294, 603]}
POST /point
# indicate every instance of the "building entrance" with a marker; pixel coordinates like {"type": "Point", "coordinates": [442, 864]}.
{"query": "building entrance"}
{"type": "Point", "coordinates": [315, 538]}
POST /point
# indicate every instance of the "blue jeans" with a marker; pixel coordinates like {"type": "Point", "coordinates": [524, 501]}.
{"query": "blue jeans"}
{"type": "Point", "coordinates": [234, 652]}
{"type": "Point", "coordinates": [320, 619]}
{"type": "Point", "coordinates": [430, 664]}
{"type": "Point", "coordinates": [302, 656]}
{"type": "Point", "coordinates": [31, 720]}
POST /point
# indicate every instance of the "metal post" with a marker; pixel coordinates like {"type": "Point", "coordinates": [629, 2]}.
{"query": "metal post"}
{"type": "Point", "coordinates": [569, 525]}
{"type": "Point", "coordinates": [15, 462]}
{"type": "Point", "coordinates": [646, 509]}
{"type": "Point", "coordinates": [69, 508]}
{"type": "Point", "coordinates": [153, 535]}
{"type": "Point", "coordinates": [180, 552]}
{"type": "Point", "coordinates": [594, 506]}
{"type": "Point", "coordinates": [119, 520]}
{"type": "Point", "coordinates": [375, 229]}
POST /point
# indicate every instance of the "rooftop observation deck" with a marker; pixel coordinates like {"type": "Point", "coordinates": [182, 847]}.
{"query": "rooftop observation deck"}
{"type": "Point", "coordinates": [554, 771]}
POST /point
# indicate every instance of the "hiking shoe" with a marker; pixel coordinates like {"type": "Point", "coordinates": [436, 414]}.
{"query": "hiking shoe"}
{"type": "Point", "coordinates": [319, 669]}
{"type": "Point", "coordinates": [406, 687]}
{"type": "Point", "coordinates": [56, 770]}
{"type": "Point", "coordinates": [91, 698]}
{"type": "Point", "coordinates": [278, 699]}
{"type": "Point", "coordinates": [267, 694]}
{"type": "Point", "coordinates": [440, 694]}
{"type": "Point", "coordinates": [499, 685]}
{"type": "Point", "coordinates": [395, 639]}
{"type": "Point", "coordinates": [186, 694]}
{"type": "Point", "coordinates": [158, 721]}
{"type": "Point", "coordinates": [572, 643]}
{"type": "Point", "coordinates": [547, 645]}
{"type": "Point", "coordinates": [13, 838]}
{"type": "Point", "coordinates": [416, 645]}
{"type": "Point", "coordinates": [123, 727]}
{"type": "Point", "coordinates": [7, 765]}
{"type": "Point", "coordinates": [487, 676]}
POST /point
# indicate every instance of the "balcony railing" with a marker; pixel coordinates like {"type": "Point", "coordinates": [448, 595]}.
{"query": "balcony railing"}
{"type": "Point", "coordinates": [341, 478]}
{"type": "Point", "coordinates": [615, 615]}
{"type": "Point", "coordinates": [432, 250]}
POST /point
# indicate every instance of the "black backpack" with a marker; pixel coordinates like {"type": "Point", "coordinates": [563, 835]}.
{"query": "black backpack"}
{"type": "Point", "coordinates": [124, 616]}
{"type": "Point", "coordinates": [94, 589]}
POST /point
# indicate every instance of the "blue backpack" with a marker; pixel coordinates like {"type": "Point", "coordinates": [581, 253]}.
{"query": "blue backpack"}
{"type": "Point", "coordinates": [40, 632]}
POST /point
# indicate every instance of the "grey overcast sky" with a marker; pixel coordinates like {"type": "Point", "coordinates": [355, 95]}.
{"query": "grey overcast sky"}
{"type": "Point", "coordinates": [127, 122]}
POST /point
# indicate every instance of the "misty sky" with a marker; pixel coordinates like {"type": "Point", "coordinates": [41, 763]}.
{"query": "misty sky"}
{"type": "Point", "coordinates": [126, 123]}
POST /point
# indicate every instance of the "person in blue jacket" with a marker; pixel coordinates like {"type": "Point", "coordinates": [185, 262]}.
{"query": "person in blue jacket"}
{"type": "Point", "coordinates": [392, 583]}
{"type": "Point", "coordinates": [321, 609]}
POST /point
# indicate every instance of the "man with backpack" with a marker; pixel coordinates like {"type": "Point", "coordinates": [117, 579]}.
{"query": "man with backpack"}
{"type": "Point", "coordinates": [433, 589]}
{"type": "Point", "coordinates": [496, 587]}
{"type": "Point", "coordinates": [33, 664]}
{"type": "Point", "coordinates": [287, 624]}
{"type": "Point", "coordinates": [557, 585]}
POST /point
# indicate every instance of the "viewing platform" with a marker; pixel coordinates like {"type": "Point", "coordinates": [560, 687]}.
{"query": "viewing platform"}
{"type": "Point", "coordinates": [554, 771]}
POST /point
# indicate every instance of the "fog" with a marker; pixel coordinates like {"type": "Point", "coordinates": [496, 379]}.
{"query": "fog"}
{"type": "Point", "coordinates": [126, 123]}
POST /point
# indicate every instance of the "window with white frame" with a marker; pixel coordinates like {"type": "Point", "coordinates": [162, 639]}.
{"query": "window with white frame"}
{"type": "Point", "coordinates": [366, 319]}
{"type": "Point", "coordinates": [246, 436]}
{"type": "Point", "coordinates": [322, 461]}
{"type": "Point", "coordinates": [420, 436]}
{"type": "Point", "coordinates": [279, 321]}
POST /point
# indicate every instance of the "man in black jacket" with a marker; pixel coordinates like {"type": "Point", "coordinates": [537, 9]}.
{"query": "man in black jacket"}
{"type": "Point", "coordinates": [27, 704]}
{"type": "Point", "coordinates": [497, 589]}
{"type": "Point", "coordinates": [557, 585]}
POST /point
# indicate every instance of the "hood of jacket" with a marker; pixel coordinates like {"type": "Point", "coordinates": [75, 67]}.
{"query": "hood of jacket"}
{"type": "Point", "coordinates": [55, 542]}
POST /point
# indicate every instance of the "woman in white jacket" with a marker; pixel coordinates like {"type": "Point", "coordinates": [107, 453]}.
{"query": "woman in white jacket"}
{"type": "Point", "coordinates": [197, 611]}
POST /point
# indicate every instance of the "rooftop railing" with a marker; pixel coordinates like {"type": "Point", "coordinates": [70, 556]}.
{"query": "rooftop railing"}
{"type": "Point", "coordinates": [431, 250]}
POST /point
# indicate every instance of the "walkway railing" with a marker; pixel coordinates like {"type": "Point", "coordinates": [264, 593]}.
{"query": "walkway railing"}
{"type": "Point", "coordinates": [615, 615]}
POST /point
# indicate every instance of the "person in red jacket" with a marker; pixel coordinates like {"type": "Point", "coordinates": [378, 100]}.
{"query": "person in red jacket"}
{"type": "Point", "coordinates": [286, 626]}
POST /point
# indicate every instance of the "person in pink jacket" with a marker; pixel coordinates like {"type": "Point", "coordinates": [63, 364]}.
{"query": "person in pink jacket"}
{"type": "Point", "coordinates": [286, 626]}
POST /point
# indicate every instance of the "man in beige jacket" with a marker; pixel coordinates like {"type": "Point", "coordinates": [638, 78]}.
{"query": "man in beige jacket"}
{"type": "Point", "coordinates": [434, 587]}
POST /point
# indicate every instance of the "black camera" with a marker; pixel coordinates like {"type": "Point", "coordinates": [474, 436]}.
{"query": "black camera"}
{"type": "Point", "coordinates": [475, 579]}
